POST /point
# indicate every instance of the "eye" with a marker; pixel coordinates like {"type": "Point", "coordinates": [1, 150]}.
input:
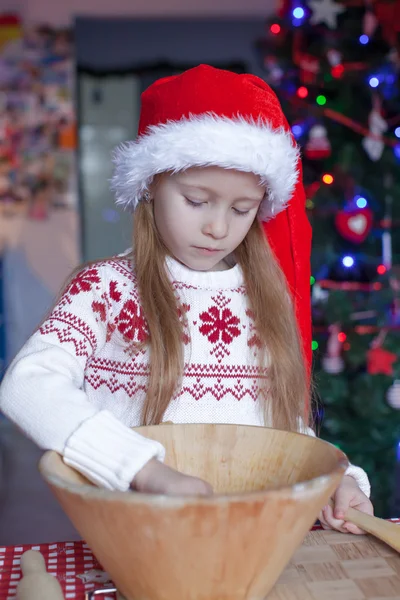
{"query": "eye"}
{"type": "Point", "coordinates": [241, 213]}
{"type": "Point", "coordinates": [192, 203]}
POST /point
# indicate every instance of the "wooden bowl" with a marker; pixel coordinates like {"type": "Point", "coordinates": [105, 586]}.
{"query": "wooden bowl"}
{"type": "Point", "coordinates": [270, 486]}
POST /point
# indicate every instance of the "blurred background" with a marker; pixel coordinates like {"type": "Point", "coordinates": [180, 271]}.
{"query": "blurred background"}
{"type": "Point", "coordinates": [71, 75]}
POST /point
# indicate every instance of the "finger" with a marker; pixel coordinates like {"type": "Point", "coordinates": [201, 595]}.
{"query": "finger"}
{"type": "Point", "coordinates": [322, 521]}
{"type": "Point", "coordinates": [331, 521]}
{"type": "Point", "coordinates": [324, 524]}
{"type": "Point", "coordinates": [343, 499]}
{"type": "Point", "coordinates": [351, 528]}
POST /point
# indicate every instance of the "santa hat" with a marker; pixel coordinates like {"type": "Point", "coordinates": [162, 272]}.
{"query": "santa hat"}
{"type": "Point", "coordinates": [211, 117]}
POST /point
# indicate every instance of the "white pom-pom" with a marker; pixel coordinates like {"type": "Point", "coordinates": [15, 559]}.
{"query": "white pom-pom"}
{"type": "Point", "coordinates": [393, 395]}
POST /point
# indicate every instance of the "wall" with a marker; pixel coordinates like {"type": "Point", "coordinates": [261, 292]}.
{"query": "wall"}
{"type": "Point", "coordinates": [62, 12]}
{"type": "Point", "coordinates": [39, 219]}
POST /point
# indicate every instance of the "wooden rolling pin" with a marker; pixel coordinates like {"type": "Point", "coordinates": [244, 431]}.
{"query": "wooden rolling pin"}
{"type": "Point", "coordinates": [383, 530]}
{"type": "Point", "coordinates": [36, 582]}
{"type": "Point", "coordinates": [386, 531]}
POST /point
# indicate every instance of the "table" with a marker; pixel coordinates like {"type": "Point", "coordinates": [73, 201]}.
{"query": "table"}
{"type": "Point", "coordinates": [328, 566]}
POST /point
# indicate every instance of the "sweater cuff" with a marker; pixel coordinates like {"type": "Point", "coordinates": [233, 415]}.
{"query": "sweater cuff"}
{"type": "Point", "coordinates": [108, 453]}
{"type": "Point", "coordinates": [361, 478]}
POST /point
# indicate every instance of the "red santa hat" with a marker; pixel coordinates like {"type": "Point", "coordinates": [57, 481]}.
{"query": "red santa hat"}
{"type": "Point", "coordinates": [210, 117]}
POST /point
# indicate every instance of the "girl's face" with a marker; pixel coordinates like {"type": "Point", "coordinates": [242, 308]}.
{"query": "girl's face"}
{"type": "Point", "coordinates": [204, 213]}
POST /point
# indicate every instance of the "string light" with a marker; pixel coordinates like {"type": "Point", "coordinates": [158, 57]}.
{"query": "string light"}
{"type": "Point", "coordinates": [361, 202]}
{"type": "Point", "coordinates": [314, 345]}
{"type": "Point", "coordinates": [397, 132]}
{"type": "Point", "coordinates": [298, 13]}
{"type": "Point", "coordinates": [297, 130]}
{"type": "Point", "coordinates": [298, 16]}
{"type": "Point", "coordinates": [381, 269]}
{"type": "Point", "coordinates": [312, 280]}
{"type": "Point", "coordinates": [373, 82]}
{"type": "Point", "coordinates": [275, 28]}
{"type": "Point", "coordinates": [327, 178]}
{"type": "Point", "coordinates": [396, 151]}
{"type": "Point", "coordinates": [341, 337]}
{"type": "Point", "coordinates": [348, 261]}
{"type": "Point", "coordinates": [321, 100]}
{"type": "Point", "coordinates": [346, 346]}
{"type": "Point", "coordinates": [302, 92]}
{"type": "Point", "coordinates": [363, 39]}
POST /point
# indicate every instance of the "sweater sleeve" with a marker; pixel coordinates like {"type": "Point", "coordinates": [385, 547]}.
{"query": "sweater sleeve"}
{"type": "Point", "coordinates": [356, 472]}
{"type": "Point", "coordinates": [42, 391]}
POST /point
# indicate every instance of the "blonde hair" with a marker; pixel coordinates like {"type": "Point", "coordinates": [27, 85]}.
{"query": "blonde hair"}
{"type": "Point", "coordinates": [286, 386]}
{"type": "Point", "coordinates": [271, 306]}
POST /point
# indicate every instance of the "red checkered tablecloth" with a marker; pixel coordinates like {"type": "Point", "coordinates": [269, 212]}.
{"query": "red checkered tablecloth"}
{"type": "Point", "coordinates": [72, 563]}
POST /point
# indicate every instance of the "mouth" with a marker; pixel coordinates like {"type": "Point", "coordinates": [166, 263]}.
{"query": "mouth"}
{"type": "Point", "coordinates": [208, 250]}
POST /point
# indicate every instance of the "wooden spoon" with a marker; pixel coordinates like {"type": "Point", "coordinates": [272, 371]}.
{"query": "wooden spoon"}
{"type": "Point", "coordinates": [36, 582]}
{"type": "Point", "coordinates": [386, 531]}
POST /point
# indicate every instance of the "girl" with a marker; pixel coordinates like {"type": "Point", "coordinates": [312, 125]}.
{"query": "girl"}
{"type": "Point", "coordinates": [199, 322]}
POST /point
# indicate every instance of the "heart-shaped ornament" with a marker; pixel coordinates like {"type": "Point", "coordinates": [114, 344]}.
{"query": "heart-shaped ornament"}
{"type": "Point", "coordinates": [354, 225]}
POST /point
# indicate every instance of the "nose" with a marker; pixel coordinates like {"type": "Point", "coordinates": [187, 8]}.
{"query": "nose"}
{"type": "Point", "coordinates": [217, 226]}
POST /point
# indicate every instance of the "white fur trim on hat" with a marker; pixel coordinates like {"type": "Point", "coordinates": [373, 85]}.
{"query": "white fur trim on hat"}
{"type": "Point", "coordinates": [209, 140]}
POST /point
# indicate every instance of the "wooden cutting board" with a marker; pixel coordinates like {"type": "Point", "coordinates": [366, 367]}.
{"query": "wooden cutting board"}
{"type": "Point", "coordinates": [334, 566]}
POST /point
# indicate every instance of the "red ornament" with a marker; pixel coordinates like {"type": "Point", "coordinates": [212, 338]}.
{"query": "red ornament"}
{"type": "Point", "coordinates": [354, 225]}
{"type": "Point", "coordinates": [337, 71]}
{"type": "Point", "coordinates": [380, 361]}
{"type": "Point", "coordinates": [309, 67]}
{"type": "Point", "coordinates": [318, 146]}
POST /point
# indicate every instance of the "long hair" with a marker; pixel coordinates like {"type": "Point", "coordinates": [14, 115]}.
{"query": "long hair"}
{"type": "Point", "coordinates": [161, 309]}
{"type": "Point", "coordinates": [287, 383]}
{"type": "Point", "coordinates": [276, 324]}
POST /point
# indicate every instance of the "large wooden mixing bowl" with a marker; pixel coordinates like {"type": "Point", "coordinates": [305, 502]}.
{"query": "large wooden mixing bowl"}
{"type": "Point", "coordinates": [270, 486]}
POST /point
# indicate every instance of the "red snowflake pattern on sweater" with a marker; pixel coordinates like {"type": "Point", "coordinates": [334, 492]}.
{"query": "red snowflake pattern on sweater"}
{"type": "Point", "coordinates": [104, 308]}
{"type": "Point", "coordinates": [84, 281]}
{"type": "Point", "coordinates": [220, 326]}
{"type": "Point", "coordinates": [131, 322]}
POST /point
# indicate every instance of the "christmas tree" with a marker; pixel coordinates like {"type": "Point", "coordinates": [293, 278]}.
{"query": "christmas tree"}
{"type": "Point", "coordinates": [335, 68]}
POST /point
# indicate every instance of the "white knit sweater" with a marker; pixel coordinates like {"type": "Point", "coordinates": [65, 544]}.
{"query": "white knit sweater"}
{"type": "Point", "coordinates": [75, 389]}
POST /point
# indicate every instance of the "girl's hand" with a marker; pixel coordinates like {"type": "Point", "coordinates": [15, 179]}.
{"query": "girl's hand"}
{"type": "Point", "coordinates": [347, 495]}
{"type": "Point", "coordinates": [157, 478]}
